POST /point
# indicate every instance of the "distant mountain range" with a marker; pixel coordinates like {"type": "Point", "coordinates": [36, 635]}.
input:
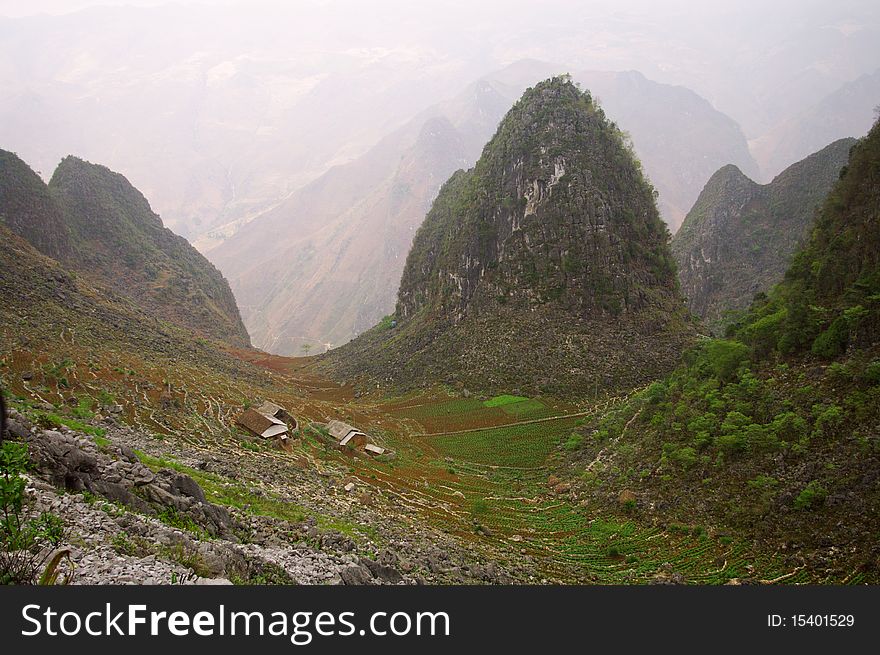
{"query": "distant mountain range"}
{"type": "Point", "coordinates": [847, 112]}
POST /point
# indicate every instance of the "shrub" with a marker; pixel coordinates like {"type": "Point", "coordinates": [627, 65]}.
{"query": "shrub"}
{"type": "Point", "coordinates": [763, 483]}
{"type": "Point", "coordinates": [872, 372]}
{"type": "Point", "coordinates": [832, 342]}
{"type": "Point", "coordinates": [763, 332]}
{"type": "Point", "coordinates": [788, 426]}
{"type": "Point", "coordinates": [724, 357]}
{"type": "Point", "coordinates": [25, 545]}
{"type": "Point", "coordinates": [761, 438]}
{"type": "Point", "coordinates": [812, 496]}
{"type": "Point", "coordinates": [733, 435]}
{"type": "Point", "coordinates": [838, 372]}
{"type": "Point", "coordinates": [684, 457]}
{"type": "Point", "coordinates": [827, 419]}
{"type": "Point", "coordinates": [656, 393]}
{"type": "Point", "coordinates": [730, 442]}
{"type": "Point", "coordinates": [574, 441]}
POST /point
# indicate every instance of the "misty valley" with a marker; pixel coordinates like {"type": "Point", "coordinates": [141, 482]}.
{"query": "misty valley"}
{"type": "Point", "coordinates": [343, 313]}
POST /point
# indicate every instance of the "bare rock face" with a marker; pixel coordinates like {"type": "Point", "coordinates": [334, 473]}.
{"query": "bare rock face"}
{"type": "Point", "coordinates": [537, 267]}
{"type": "Point", "coordinates": [739, 237]}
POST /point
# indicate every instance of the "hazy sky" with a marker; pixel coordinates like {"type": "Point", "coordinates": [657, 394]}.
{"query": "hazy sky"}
{"type": "Point", "coordinates": [219, 111]}
{"type": "Point", "coordinates": [32, 7]}
{"type": "Point", "coordinates": [210, 102]}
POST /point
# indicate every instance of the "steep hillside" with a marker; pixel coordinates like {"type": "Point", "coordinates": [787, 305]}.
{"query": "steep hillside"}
{"type": "Point", "coordinates": [545, 266]}
{"type": "Point", "coordinates": [47, 308]}
{"type": "Point", "coordinates": [828, 301]}
{"type": "Point", "coordinates": [332, 268]}
{"type": "Point", "coordinates": [28, 209]}
{"type": "Point", "coordinates": [739, 237]}
{"type": "Point", "coordinates": [117, 240]}
{"type": "Point", "coordinates": [771, 434]}
{"type": "Point", "coordinates": [297, 289]}
{"type": "Point", "coordinates": [324, 265]}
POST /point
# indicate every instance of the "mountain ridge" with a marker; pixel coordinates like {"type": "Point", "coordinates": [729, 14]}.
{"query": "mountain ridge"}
{"type": "Point", "coordinates": [739, 236]}
{"type": "Point", "coordinates": [324, 300]}
{"type": "Point", "coordinates": [95, 223]}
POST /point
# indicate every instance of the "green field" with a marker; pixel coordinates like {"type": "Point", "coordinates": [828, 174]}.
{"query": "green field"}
{"type": "Point", "coordinates": [500, 401]}
{"type": "Point", "coordinates": [521, 446]}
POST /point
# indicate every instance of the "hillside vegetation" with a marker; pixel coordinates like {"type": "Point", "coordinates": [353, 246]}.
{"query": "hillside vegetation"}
{"type": "Point", "coordinates": [96, 223]}
{"type": "Point", "coordinates": [772, 432]}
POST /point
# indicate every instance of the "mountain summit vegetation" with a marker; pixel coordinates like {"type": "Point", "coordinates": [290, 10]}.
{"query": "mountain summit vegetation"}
{"type": "Point", "coordinates": [546, 266]}
{"type": "Point", "coordinates": [96, 223]}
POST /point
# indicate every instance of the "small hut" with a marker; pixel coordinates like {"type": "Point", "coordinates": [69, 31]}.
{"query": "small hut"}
{"type": "Point", "coordinates": [373, 450]}
{"type": "Point", "coordinates": [272, 410]}
{"type": "Point", "coordinates": [354, 439]}
{"type": "Point", "coordinates": [261, 425]}
{"type": "Point", "coordinates": [339, 430]}
{"type": "Point", "coordinates": [347, 435]}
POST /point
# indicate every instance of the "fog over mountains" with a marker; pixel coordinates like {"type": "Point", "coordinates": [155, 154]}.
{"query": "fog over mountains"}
{"type": "Point", "coordinates": [334, 252]}
{"type": "Point", "coordinates": [300, 146]}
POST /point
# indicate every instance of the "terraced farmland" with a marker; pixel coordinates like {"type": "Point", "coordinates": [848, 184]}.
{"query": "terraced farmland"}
{"type": "Point", "coordinates": [440, 415]}
{"type": "Point", "coordinates": [490, 487]}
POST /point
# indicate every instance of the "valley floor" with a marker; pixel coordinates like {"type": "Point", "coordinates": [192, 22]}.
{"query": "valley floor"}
{"type": "Point", "coordinates": [472, 494]}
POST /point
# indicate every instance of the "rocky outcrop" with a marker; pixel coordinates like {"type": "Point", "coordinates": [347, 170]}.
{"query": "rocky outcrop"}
{"type": "Point", "coordinates": [76, 464]}
{"type": "Point", "coordinates": [128, 524]}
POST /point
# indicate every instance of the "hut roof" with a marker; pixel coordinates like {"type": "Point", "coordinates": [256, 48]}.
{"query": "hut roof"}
{"type": "Point", "coordinates": [269, 408]}
{"type": "Point", "coordinates": [261, 425]}
{"type": "Point", "coordinates": [339, 430]}
{"type": "Point", "coordinates": [353, 436]}
{"type": "Point", "coordinates": [374, 449]}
